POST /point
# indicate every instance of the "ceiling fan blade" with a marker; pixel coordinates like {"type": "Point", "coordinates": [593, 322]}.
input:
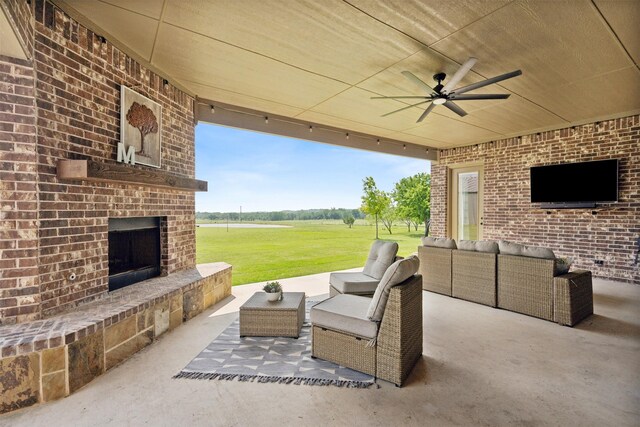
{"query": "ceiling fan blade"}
{"type": "Point", "coordinates": [399, 97]}
{"type": "Point", "coordinates": [417, 81]}
{"type": "Point", "coordinates": [487, 82]}
{"type": "Point", "coordinates": [459, 75]}
{"type": "Point", "coordinates": [471, 97]}
{"type": "Point", "coordinates": [424, 114]}
{"type": "Point", "coordinates": [404, 108]}
{"type": "Point", "coordinates": [453, 107]}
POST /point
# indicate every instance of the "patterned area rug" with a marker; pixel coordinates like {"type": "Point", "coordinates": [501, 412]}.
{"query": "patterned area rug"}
{"type": "Point", "coordinates": [269, 360]}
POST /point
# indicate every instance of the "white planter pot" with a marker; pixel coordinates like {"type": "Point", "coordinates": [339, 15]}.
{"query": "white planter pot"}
{"type": "Point", "coordinates": [274, 296]}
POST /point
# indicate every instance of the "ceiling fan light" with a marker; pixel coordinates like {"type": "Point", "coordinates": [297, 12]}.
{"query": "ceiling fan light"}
{"type": "Point", "coordinates": [439, 101]}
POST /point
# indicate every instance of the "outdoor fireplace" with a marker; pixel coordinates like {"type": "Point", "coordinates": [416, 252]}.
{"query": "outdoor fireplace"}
{"type": "Point", "coordinates": [134, 250]}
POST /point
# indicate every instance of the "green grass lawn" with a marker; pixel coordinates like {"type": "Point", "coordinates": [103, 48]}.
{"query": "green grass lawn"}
{"type": "Point", "coordinates": [308, 247]}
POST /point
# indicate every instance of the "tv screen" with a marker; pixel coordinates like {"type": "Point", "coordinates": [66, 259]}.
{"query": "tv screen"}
{"type": "Point", "coordinates": [595, 181]}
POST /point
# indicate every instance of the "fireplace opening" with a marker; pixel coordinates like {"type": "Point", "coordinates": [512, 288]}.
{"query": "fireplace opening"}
{"type": "Point", "coordinates": [134, 250]}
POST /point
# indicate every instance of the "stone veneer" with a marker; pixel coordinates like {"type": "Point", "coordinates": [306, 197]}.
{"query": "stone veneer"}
{"type": "Point", "coordinates": [48, 359]}
{"type": "Point", "coordinates": [608, 232]}
{"type": "Point", "coordinates": [64, 103]}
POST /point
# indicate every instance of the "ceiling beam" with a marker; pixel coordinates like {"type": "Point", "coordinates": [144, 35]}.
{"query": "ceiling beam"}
{"type": "Point", "coordinates": [260, 121]}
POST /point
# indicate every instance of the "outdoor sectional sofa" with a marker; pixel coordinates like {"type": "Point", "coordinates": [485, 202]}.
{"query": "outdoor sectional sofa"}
{"type": "Point", "coordinates": [523, 279]}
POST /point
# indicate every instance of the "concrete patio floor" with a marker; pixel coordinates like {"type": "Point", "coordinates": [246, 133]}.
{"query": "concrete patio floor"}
{"type": "Point", "coordinates": [481, 366]}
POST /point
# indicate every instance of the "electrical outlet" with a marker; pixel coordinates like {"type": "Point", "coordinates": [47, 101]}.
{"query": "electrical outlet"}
{"type": "Point", "coordinates": [598, 262]}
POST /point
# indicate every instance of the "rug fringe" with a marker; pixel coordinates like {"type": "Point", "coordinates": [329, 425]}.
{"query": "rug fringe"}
{"type": "Point", "coordinates": [273, 379]}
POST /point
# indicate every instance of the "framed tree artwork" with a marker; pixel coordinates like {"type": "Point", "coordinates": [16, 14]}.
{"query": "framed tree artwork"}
{"type": "Point", "coordinates": [140, 126]}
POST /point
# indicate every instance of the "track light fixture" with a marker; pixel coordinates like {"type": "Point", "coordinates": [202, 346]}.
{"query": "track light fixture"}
{"type": "Point", "coordinates": [213, 109]}
{"type": "Point", "coordinates": [165, 83]}
{"type": "Point", "coordinates": [266, 120]}
{"type": "Point", "coordinates": [347, 136]}
{"type": "Point", "coordinates": [310, 129]}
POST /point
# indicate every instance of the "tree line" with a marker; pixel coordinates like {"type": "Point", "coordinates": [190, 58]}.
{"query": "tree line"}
{"type": "Point", "coordinates": [287, 215]}
{"type": "Point", "coordinates": [408, 203]}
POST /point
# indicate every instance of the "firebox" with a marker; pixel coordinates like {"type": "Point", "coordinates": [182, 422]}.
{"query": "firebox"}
{"type": "Point", "coordinates": [134, 250]}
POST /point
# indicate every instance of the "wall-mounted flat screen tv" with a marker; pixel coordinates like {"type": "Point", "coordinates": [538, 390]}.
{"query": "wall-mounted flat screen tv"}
{"type": "Point", "coordinates": [595, 181]}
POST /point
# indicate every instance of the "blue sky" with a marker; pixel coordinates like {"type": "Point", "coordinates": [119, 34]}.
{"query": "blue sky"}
{"type": "Point", "coordinates": [262, 172]}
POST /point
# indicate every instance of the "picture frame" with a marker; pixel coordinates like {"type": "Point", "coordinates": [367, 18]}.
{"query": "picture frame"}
{"type": "Point", "coordinates": [141, 127]}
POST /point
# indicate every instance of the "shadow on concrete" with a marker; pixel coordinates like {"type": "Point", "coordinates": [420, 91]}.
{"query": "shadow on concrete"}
{"type": "Point", "coordinates": [218, 309]}
{"type": "Point", "coordinates": [609, 326]}
{"type": "Point", "coordinates": [612, 301]}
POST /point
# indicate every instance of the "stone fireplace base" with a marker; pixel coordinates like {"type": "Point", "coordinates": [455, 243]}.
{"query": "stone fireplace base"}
{"type": "Point", "coordinates": [51, 358]}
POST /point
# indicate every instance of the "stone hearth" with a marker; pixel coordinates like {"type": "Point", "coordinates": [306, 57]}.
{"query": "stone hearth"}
{"type": "Point", "coordinates": [48, 359]}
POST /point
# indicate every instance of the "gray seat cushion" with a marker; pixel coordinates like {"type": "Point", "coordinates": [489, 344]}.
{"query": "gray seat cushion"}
{"type": "Point", "coordinates": [353, 283]}
{"type": "Point", "coordinates": [381, 256]}
{"type": "Point", "coordinates": [510, 248]}
{"type": "Point", "coordinates": [438, 242]}
{"type": "Point", "coordinates": [397, 273]}
{"type": "Point", "coordinates": [478, 246]}
{"type": "Point", "coordinates": [346, 313]}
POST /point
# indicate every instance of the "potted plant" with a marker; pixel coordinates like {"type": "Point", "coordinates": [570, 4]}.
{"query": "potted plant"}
{"type": "Point", "coordinates": [562, 266]}
{"type": "Point", "coordinates": [273, 290]}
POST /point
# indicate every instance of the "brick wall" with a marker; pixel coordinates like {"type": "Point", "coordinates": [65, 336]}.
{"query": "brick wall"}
{"type": "Point", "coordinates": [77, 88]}
{"type": "Point", "coordinates": [607, 232]}
{"type": "Point", "coordinates": [19, 290]}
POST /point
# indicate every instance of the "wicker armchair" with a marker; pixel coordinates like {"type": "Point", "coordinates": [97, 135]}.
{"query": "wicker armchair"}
{"type": "Point", "coordinates": [525, 285]}
{"type": "Point", "coordinates": [435, 268]}
{"type": "Point", "coordinates": [381, 255]}
{"type": "Point", "coordinates": [393, 351]}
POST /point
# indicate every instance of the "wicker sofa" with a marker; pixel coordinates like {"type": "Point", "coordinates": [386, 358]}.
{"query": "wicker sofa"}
{"type": "Point", "coordinates": [519, 278]}
{"type": "Point", "coordinates": [435, 268]}
{"type": "Point", "coordinates": [473, 276]}
{"type": "Point", "coordinates": [388, 348]}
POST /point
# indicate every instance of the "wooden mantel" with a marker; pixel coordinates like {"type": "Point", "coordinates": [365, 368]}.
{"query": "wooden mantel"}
{"type": "Point", "coordinates": [90, 170]}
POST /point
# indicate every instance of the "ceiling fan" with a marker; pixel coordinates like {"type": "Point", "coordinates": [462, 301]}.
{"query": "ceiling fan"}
{"type": "Point", "coordinates": [446, 94]}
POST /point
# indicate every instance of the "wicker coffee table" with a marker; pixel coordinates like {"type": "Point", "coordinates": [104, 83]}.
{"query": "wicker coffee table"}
{"type": "Point", "coordinates": [262, 318]}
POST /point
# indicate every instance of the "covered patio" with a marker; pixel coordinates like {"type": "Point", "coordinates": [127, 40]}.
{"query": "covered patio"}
{"type": "Point", "coordinates": [83, 83]}
{"type": "Point", "coordinates": [481, 366]}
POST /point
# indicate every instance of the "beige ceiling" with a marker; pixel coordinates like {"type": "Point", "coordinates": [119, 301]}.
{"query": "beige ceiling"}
{"type": "Point", "coordinates": [321, 61]}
